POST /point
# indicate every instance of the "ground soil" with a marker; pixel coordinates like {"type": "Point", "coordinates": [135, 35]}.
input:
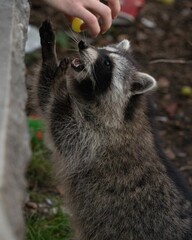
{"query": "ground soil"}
{"type": "Point", "coordinates": [168, 36]}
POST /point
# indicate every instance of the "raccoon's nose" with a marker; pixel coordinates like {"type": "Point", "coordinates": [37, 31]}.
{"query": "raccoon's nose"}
{"type": "Point", "coordinates": [82, 45]}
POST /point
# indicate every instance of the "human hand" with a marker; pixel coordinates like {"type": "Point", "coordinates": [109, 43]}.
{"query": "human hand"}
{"type": "Point", "coordinates": [90, 11]}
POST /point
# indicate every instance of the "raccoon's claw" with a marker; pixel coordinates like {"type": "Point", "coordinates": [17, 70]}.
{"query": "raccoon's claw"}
{"type": "Point", "coordinates": [46, 34]}
{"type": "Point", "coordinates": [62, 68]}
{"type": "Point", "coordinates": [64, 63]}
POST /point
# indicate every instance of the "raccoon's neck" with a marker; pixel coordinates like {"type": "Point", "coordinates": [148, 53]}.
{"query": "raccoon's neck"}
{"type": "Point", "coordinates": [134, 138]}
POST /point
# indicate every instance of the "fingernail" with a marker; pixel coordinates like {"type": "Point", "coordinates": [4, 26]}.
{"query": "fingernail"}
{"type": "Point", "coordinates": [103, 31]}
{"type": "Point", "coordinates": [115, 16]}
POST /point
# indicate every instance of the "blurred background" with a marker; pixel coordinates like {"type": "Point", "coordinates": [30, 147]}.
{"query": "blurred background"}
{"type": "Point", "coordinates": [160, 32]}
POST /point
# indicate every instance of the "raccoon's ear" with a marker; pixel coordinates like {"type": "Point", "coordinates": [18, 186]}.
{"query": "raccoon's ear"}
{"type": "Point", "coordinates": [124, 45]}
{"type": "Point", "coordinates": [143, 83]}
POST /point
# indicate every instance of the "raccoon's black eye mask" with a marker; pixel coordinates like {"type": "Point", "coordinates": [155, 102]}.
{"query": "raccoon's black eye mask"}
{"type": "Point", "coordinates": [107, 62]}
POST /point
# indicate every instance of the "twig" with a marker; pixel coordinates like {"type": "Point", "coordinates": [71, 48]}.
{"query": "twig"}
{"type": "Point", "coordinates": [185, 168]}
{"type": "Point", "coordinates": [178, 61]}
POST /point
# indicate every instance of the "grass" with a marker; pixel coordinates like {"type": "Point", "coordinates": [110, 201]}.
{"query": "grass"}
{"type": "Point", "coordinates": [40, 228]}
{"type": "Point", "coordinates": [39, 170]}
{"type": "Point", "coordinates": [41, 225]}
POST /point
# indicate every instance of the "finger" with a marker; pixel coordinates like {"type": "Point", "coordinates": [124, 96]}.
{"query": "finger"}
{"type": "Point", "coordinates": [115, 7]}
{"type": "Point", "coordinates": [104, 12]}
{"type": "Point", "coordinates": [90, 21]}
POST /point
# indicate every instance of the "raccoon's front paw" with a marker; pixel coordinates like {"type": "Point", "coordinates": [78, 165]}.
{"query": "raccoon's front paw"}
{"type": "Point", "coordinates": [61, 69]}
{"type": "Point", "coordinates": [47, 35]}
{"type": "Point", "coordinates": [64, 64]}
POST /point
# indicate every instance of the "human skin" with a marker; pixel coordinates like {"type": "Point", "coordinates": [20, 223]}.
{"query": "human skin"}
{"type": "Point", "coordinates": [90, 11]}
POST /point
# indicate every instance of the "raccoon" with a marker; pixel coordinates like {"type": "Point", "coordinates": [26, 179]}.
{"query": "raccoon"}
{"type": "Point", "coordinates": [116, 183]}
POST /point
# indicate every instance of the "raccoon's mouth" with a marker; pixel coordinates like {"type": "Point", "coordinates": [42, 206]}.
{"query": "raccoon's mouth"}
{"type": "Point", "coordinates": [77, 64]}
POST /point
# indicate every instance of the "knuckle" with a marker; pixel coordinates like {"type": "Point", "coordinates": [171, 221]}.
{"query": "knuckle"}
{"type": "Point", "coordinates": [116, 7]}
{"type": "Point", "coordinates": [92, 20]}
{"type": "Point", "coordinates": [108, 11]}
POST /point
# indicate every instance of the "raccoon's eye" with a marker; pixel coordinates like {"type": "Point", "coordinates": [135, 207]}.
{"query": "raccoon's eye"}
{"type": "Point", "coordinates": [107, 63]}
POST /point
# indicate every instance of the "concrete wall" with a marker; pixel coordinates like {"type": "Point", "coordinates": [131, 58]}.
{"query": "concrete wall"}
{"type": "Point", "coordinates": [14, 144]}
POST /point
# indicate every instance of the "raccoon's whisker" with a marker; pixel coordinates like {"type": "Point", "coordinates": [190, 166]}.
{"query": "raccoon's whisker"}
{"type": "Point", "coordinates": [86, 73]}
{"type": "Point", "coordinates": [70, 33]}
{"type": "Point", "coordinates": [72, 36]}
{"type": "Point", "coordinates": [75, 36]}
{"type": "Point", "coordinates": [88, 68]}
{"type": "Point", "coordinates": [82, 74]}
{"type": "Point", "coordinates": [84, 39]}
{"type": "Point", "coordinates": [89, 61]}
{"type": "Point", "coordinates": [85, 36]}
{"type": "Point", "coordinates": [92, 66]}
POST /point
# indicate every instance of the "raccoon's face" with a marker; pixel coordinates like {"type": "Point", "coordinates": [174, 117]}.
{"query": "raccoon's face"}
{"type": "Point", "coordinates": [107, 72]}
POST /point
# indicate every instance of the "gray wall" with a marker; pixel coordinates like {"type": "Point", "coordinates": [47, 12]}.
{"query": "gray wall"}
{"type": "Point", "coordinates": [14, 143]}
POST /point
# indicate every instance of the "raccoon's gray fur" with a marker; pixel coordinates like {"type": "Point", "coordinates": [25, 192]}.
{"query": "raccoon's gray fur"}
{"type": "Point", "coordinates": [116, 185]}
